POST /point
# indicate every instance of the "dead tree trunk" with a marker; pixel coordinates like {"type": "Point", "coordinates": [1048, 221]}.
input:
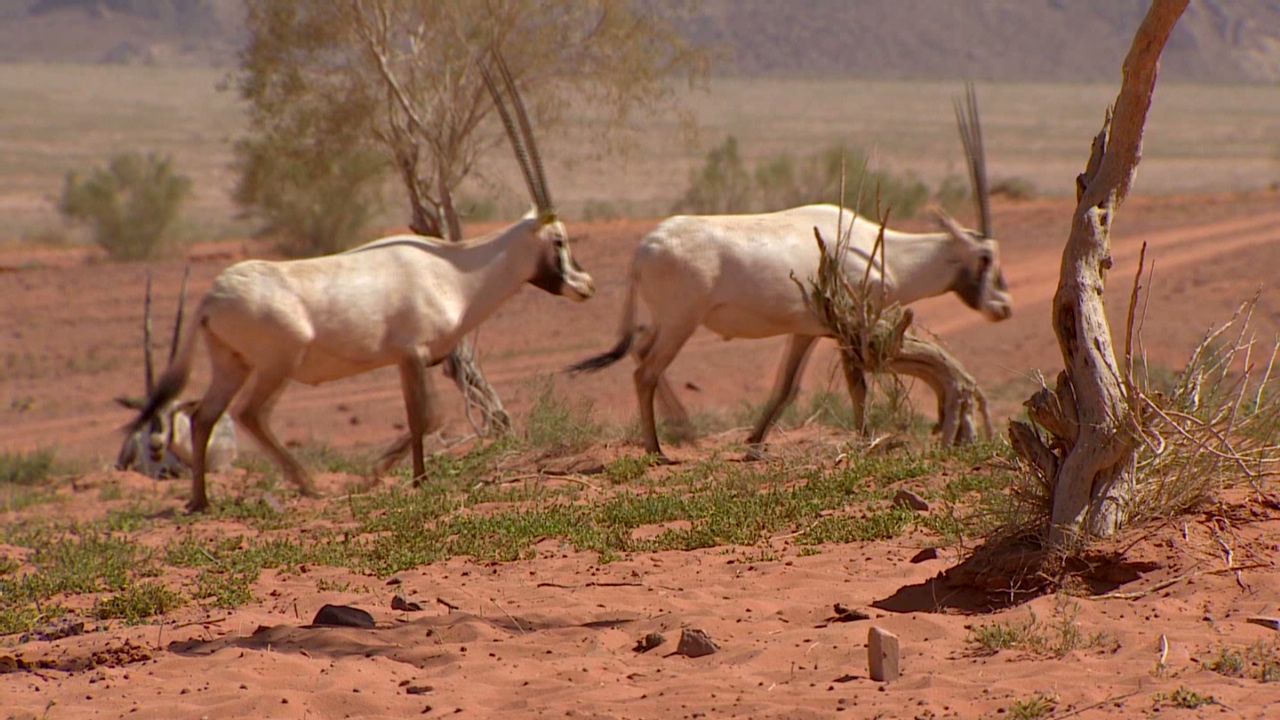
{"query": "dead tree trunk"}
{"type": "Point", "coordinates": [1088, 459]}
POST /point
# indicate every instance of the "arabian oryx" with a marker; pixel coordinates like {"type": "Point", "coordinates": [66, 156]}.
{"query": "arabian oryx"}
{"type": "Point", "coordinates": [403, 300]}
{"type": "Point", "coordinates": [162, 447]}
{"type": "Point", "coordinates": [741, 275]}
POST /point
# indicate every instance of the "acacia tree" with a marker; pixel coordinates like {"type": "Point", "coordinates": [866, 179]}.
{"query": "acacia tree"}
{"type": "Point", "coordinates": [1085, 435]}
{"type": "Point", "coordinates": [326, 79]}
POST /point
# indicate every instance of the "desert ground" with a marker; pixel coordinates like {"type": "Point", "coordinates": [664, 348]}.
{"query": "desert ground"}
{"type": "Point", "coordinates": [537, 563]}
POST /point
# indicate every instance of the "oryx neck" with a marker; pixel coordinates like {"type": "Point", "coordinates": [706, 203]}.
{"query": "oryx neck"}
{"type": "Point", "coordinates": [920, 265]}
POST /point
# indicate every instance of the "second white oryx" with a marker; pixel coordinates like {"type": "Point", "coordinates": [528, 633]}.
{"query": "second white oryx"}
{"type": "Point", "coordinates": [404, 300]}
{"type": "Point", "coordinates": [737, 276]}
{"type": "Point", "coordinates": [162, 447]}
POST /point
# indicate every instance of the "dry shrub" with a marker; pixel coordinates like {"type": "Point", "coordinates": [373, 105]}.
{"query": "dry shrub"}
{"type": "Point", "coordinates": [1217, 426]}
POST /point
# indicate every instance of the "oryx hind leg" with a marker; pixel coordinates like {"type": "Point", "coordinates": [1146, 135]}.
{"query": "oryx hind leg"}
{"type": "Point", "coordinates": [254, 414]}
{"type": "Point", "coordinates": [655, 357]}
{"type": "Point", "coordinates": [668, 402]}
{"type": "Point", "coordinates": [228, 373]}
{"type": "Point", "coordinates": [785, 388]}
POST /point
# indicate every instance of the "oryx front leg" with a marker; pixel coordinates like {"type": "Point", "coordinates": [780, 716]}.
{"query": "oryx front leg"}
{"type": "Point", "coordinates": [229, 372]}
{"type": "Point", "coordinates": [654, 360]}
{"type": "Point", "coordinates": [784, 390]}
{"type": "Point", "coordinates": [419, 404]}
{"type": "Point", "coordinates": [253, 416]}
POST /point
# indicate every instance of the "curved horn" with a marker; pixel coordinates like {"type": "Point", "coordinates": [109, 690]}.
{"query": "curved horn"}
{"type": "Point", "coordinates": [522, 116]}
{"type": "Point", "coordinates": [517, 146]}
{"type": "Point", "coordinates": [177, 321]}
{"type": "Point", "coordinates": [149, 366]}
{"type": "Point", "coordinates": [975, 155]}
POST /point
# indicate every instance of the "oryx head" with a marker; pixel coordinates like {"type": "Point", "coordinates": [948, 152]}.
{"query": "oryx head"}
{"type": "Point", "coordinates": [147, 450]}
{"type": "Point", "coordinates": [554, 270]}
{"type": "Point", "coordinates": [979, 281]}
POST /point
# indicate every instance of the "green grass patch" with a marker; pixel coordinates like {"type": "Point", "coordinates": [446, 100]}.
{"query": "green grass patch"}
{"type": "Point", "coordinates": [138, 602]}
{"type": "Point", "coordinates": [1040, 705]}
{"type": "Point", "coordinates": [27, 468]}
{"type": "Point", "coordinates": [1056, 638]}
{"type": "Point", "coordinates": [557, 425]}
{"type": "Point", "coordinates": [1184, 697]}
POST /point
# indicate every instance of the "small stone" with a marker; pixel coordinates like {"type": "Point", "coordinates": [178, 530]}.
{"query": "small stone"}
{"type": "Point", "coordinates": [419, 689]}
{"type": "Point", "coordinates": [399, 603]}
{"type": "Point", "coordinates": [925, 555]}
{"type": "Point", "coordinates": [343, 616]}
{"type": "Point", "coordinates": [844, 613]}
{"type": "Point", "coordinates": [882, 655]}
{"type": "Point", "coordinates": [649, 642]}
{"type": "Point", "coordinates": [908, 499]}
{"type": "Point", "coordinates": [394, 581]}
{"type": "Point", "coordinates": [1266, 622]}
{"type": "Point", "coordinates": [695, 643]}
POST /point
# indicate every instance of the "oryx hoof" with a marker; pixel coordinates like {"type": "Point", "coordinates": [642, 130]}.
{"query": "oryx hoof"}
{"type": "Point", "coordinates": [660, 458]}
{"type": "Point", "coordinates": [197, 505]}
{"type": "Point", "coordinates": [755, 453]}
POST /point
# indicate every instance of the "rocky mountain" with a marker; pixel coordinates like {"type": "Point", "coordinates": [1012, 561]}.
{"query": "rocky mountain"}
{"type": "Point", "coordinates": [1034, 40]}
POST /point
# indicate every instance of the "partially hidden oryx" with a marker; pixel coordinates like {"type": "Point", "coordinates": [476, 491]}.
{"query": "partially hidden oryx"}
{"type": "Point", "coordinates": [403, 300]}
{"type": "Point", "coordinates": [161, 448]}
{"type": "Point", "coordinates": [737, 276]}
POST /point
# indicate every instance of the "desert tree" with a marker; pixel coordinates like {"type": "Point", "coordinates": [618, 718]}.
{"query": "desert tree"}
{"type": "Point", "coordinates": [331, 81]}
{"type": "Point", "coordinates": [1084, 438]}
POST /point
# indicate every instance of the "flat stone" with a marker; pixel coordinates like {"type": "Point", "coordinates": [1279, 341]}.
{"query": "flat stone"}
{"type": "Point", "coordinates": [882, 655]}
{"type": "Point", "coordinates": [695, 643]}
{"type": "Point", "coordinates": [925, 555]}
{"type": "Point", "coordinates": [343, 616]}
{"type": "Point", "coordinates": [398, 602]}
{"type": "Point", "coordinates": [908, 499]}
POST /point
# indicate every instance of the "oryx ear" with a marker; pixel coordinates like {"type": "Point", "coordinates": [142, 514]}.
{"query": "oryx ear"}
{"type": "Point", "coordinates": [131, 402]}
{"type": "Point", "coordinates": [952, 228]}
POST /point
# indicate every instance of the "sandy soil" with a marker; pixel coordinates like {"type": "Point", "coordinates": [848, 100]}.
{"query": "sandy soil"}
{"type": "Point", "coordinates": [553, 636]}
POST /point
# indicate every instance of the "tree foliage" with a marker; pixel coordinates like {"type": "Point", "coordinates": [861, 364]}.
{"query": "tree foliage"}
{"type": "Point", "coordinates": [399, 79]}
{"type": "Point", "coordinates": [130, 205]}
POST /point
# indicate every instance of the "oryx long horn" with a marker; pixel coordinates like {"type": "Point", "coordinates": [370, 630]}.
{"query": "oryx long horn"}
{"type": "Point", "coordinates": [975, 155]}
{"type": "Point", "coordinates": [526, 128]}
{"type": "Point", "coordinates": [517, 146]}
{"type": "Point", "coordinates": [177, 321]}
{"type": "Point", "coordinates": [148, 367]}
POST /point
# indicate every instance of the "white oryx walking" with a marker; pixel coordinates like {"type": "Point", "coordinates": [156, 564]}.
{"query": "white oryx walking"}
{"type": "Point", "coordinates": [404, 300]}
{"type": "Point", "coordinates": [737, 276]}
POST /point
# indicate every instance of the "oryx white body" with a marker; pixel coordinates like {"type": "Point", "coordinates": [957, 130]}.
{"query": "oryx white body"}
{"type": "Point", "coordinates": [404, 300]}
{"type": "Point", "coordinates": [743, 276]}
{"type": "Point", "coordinates": [746, 276]}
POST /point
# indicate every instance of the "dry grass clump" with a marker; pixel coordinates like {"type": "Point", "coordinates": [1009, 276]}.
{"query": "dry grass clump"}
{"type": "Point", "coordinates": [1218, 424]}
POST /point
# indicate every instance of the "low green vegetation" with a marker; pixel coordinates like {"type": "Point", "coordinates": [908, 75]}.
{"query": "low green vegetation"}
{"type": "Point", "coordinates": [468, 509]}
{"type": "Point", "coordinates": [1260, 661]}
{"type": "Point", "coordinates": [131, 205]}
{"type": "Point", "coordinates": [724, 184]}
{"type": "Point", "coordinates": [1040, 705]}
{"type": "Point", "coordinates": [1055, 638]}
{"type": "Point", "coordinates": [26, 468]}
{"type": "Point", "coordinates": [1184, 697]}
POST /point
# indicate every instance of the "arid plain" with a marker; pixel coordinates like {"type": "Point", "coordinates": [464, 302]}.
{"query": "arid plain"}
{"type": "Point", "coordinates": [542, 562]}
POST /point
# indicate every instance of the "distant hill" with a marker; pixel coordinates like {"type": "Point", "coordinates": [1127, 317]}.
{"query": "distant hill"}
{"type": "Point", "coordinates": [1044, 40]}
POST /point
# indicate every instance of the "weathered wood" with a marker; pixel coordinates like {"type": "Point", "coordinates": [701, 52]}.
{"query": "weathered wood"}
{"type": "Point", "coordinates": [1089, 414]}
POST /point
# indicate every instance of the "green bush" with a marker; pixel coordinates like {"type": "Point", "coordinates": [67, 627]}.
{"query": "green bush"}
{"type": "Point", "coordinates": [316, 201]}
{"type": "Point", "coordinates": [26, 468]}
{"type": "Point", "coordinates": [723, 184]}
{"type": "Point", "coordinates": [131, 204]}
